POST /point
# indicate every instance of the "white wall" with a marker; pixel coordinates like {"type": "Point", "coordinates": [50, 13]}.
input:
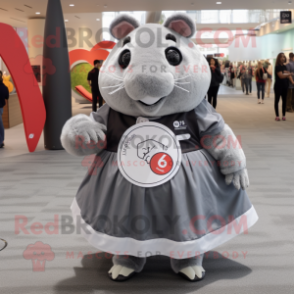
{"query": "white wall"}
{"type": "Point", "coordinates": [265, 47]}
{"type": "Point", "coordinates": [78, 30]}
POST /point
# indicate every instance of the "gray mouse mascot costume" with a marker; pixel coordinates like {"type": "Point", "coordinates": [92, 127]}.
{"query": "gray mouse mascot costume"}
{"type": "Point", "coordinates": [168, 175]}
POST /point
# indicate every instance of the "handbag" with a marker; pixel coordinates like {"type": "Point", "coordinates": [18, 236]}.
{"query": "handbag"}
{"type": "Point", "coordinates": [264, 76]}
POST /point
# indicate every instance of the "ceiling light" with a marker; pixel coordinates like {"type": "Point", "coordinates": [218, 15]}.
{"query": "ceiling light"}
{"type": "Point", "coordinates": [71, 5]}
{"type": "Point", "coordinates": [66, 20]}
{"type": "Point", "coordinates": [38, 13]}
{"type": "Point", "coordinates": [218, 2]}
{"type": "Point", "coordinates": [98, 19]}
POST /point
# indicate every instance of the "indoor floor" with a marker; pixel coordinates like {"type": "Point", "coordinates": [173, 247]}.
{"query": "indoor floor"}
{"type": "Point", "coordinates": [39, 187]}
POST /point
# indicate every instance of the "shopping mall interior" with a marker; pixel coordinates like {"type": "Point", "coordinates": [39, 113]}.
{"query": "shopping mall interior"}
{"type": "Point", "coordinates": [75, 218]}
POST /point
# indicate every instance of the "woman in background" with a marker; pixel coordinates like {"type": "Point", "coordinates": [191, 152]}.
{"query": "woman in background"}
{"type": "Point", "coordinates": [244, 79]}
{"type": "Point", "coordinates": [282, 77]}
{"type": "Point", "coordinates": [233, 75]}
{"type": "Point", "coordinates": [250, 75]}
{"type": "Point", "coordinates": [260, 81]}
{"type": "Point", "coordinates": [267, 66]}
{"type": "Point", "coordinates": [216, 80]}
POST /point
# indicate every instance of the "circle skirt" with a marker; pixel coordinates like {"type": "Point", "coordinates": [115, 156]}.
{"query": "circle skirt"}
{"type": "Point", "coordinates": [192, 213]}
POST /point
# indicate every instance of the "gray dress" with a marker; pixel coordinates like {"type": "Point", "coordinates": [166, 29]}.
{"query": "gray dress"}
{"type": "Point", "coordinates": [190, 214]}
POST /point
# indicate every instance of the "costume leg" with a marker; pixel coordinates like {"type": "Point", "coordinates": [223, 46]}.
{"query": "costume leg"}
{"type": "Point", "coordinates": [125, 267]}
{"type": "Point", "coordinates": [190, 268]}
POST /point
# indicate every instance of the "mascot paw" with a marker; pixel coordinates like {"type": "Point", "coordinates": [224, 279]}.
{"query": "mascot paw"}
{"type": "Point", "coordinates": [120, 273]}
{"type": "Point", "coordinates": [240, 179]}
{"type": "Point", "coordinates": [193, 273]}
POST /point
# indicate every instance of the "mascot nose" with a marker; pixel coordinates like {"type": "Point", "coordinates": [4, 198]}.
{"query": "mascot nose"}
{"type": "Point", "coordinates": [139, 86]}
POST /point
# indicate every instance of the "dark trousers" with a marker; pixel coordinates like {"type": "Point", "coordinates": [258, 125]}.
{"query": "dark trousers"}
{"type": "Point", "coordinates": [290, 100]}
{"type": "Point", "coordinates": [280, 92]}
{"type": "Point", "coordinates": [250, 85]}
{"type": "Point", "coordinates": [245, 85]}
{"type": "Point", "coordinates": [260, 88]}
{"type": "Point", "coordinates": [1, 126]}
{"type": "Point", "coordinates": [212, 95]}
{"type": "Point", "coordinates": [96, 97]}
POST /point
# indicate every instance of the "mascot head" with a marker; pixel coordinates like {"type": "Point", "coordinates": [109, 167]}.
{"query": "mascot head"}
{"type": "Point", "coordinates": [154, 70]}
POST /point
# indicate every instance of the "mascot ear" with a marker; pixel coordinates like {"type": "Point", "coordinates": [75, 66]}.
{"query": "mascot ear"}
{"type": "Point", "coordinates": [122, 26]}
{"type": "Point", "coordinates": [182, 24]}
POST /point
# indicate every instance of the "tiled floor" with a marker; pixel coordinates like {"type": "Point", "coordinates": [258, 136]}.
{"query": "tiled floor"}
{"type": "Point", "coordinates": [40, 186]}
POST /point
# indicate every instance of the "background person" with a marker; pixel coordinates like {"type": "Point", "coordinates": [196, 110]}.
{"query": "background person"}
{"type": "Point", "coordinates": [93, 82]}
{"type": "Point", "coordinates": [216, 80]}
{"type": "Point", "coordinates": [260, 82]}
{"type": "Point", "coordinates": [250, 75]}
{"type": "Point", "coordinates": [4, 95]}
{"type": "Point", "coordinates": [268, 67]}
{"type": "Point", "coordinates": [290, 95]}
{"type": "Point", "coordinates": [281, 84]}
{"type": "Point", "coordinates": [245, 79]}
{"type": "Point", "coordinates": [233, 76]}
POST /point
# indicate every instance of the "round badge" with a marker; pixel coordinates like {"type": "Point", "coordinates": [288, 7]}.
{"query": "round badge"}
{"type": "Point", "coordinates": [149, 154]}
{"type": "Point", "coordinates": [161, 163]}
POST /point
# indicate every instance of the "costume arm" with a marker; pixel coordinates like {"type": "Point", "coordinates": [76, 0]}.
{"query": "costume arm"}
{"type": "Point", "coordinates": [226, 149]}
{"type": "Point", "coordinates": [220, 141]}
{"type": "Point", "coordinates": [83, 135]}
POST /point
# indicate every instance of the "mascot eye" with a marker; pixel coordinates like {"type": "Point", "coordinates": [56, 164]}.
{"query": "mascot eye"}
{"type": "Point", "coordinates": [171, 37]}
{"type": "Point", "coordinates": [124, 58]}
{"type": "Point", "coordinates": [173, 56]}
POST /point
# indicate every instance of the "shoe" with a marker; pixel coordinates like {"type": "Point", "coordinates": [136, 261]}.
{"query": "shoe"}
{"type": "Point", "coordinates": [247, 94]}
{"type": "Point", "coordinates": [277, 118]}
{"type": "Point", "coordinates": [262, 102]}
{"type": "Point", "coordinates": [283, 118]}
{"type": "Point", "coordinates": [2, 145]}
{"type": "Point", "coordinates": [258, 101]}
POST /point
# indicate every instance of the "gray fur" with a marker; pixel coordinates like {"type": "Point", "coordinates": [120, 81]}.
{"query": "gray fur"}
{"type": "Point", "coordinates": [140, 79]}
{"type": "Point", "coordinates": [232, 158]}
{"type": "Point", "coordinates": [132, 262]}
{"type": "Point", "coordinates": [178, 264]}
{"type": "Point", "coordinates": [182, 16]}
{"type": "Point", "coordinates": [121, 18]}
{"type": "Point", "coordinates": [82, 127]}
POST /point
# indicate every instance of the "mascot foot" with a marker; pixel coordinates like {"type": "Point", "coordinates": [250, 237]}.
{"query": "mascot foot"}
{"type": "Point", "coordinates": [124, 267]}
{"type": "Point", "coordinates": [120, 273]}
{"type": "Point", "coordinates": [190, 268]}
{"type": "Point", "coordinates": [193, 273]}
